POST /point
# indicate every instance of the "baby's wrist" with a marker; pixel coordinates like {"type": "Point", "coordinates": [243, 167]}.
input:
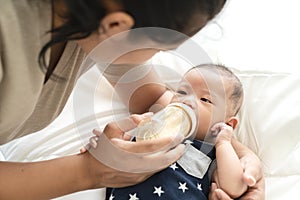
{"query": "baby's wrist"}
{"type": "Point", "coordinates": [222, 142]}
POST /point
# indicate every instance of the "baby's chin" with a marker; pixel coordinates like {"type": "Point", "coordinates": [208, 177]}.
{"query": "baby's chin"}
{"type": "Point", "coordinates": [208, 137]}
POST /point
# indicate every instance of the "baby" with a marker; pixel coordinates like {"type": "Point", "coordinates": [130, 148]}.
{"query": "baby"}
{"type": "Point", "coordinates": [216, 95]}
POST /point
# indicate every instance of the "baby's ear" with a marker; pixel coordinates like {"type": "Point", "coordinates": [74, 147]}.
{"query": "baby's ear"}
{"type": "Point", "coordinates": [232, 121]}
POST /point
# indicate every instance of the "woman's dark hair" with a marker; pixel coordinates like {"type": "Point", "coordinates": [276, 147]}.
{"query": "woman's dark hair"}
{"type": "Point", "coordinates": [84, 16]}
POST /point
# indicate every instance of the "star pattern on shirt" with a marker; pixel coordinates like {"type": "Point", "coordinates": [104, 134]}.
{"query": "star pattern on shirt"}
{"type": "Point", "coordinates": [111, 197]}
{"type": "Point", "coordinates": [173, 166]}
{"type": "Point", "coordinates": [188, 142]}
{"type": "Point", "coordinates": [171, 183]}
{"type": "Point", "coordinates": [158, 191]}
{"type": "Point", "coordinates": [199, 186]}
{"type": "Point", "coordinates": [133, 197]}
{"type": "Point", "coordinates": [182, 187]}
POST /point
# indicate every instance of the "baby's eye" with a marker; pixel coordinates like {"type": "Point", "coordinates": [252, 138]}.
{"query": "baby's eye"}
{"type": "Point", "coordinates": [182, 92]}
{"type": "Point", "coordinates": [205, 100]}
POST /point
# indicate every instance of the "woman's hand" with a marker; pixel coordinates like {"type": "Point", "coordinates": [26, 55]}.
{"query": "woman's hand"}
{"type": "Point", "coordinates": [115, 161]}
{"type": "Point", "coordinates": [253, 177]}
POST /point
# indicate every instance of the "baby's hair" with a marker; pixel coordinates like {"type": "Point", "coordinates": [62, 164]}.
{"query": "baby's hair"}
{"type": "Point", "coordinates": [237, 92]}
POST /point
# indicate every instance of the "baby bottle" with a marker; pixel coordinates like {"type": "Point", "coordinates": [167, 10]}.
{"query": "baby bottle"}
{"type": "Point", "coordinates": [176, 118]}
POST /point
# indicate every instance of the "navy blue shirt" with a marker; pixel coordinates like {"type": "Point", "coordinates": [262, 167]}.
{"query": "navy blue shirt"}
{"type": "Point", "coordinates": [171, 183]}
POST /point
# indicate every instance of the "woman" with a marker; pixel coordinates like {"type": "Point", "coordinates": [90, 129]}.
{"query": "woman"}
{"type": "Point", "coordinates": [31, 98]}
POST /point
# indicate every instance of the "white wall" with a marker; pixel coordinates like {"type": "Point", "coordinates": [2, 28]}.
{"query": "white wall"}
{"type": "Point", "coordinates": [255, 34]}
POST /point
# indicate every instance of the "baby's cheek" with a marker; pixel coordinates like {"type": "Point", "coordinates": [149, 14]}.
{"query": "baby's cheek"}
{"type": "Point", "coordinates": [202, 132]}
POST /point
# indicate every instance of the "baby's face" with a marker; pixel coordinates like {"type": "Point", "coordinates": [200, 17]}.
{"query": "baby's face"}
{"type": "Point", "coordinates": [204, 91]}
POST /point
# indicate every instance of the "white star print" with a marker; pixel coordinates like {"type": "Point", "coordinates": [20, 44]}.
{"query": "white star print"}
{"type": "Point", "coordinates": [133, 197]}
{"type": "Point", "coordinates": [158, 191]}
{"type": "Point", "coordinates": [182, 187]}
{"type": "Point", "coordinates": [199, 186]}
{"type": "Point", "coordinates": [173, 166]}
{"type": "Point", "coordinates": [111, 197]}
{"type": "Point", "coordinates": [188, 142]}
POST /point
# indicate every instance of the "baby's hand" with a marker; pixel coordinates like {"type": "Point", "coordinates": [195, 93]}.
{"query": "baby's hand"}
{"type": "Point", "coordinates": [92, 142]}
{"type": "Point", "coordinates": [127, 123]}
{"type": "Point", "coordinates": [221, 132]}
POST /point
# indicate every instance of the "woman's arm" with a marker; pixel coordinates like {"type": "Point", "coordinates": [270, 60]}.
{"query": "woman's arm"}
{"type": "Point", "coordinates": [57, 177]}
{"type": "Point", "coordinates": [44, 180]}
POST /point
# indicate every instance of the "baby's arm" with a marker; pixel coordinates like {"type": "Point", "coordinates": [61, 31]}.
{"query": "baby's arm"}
{"type": "Point", "coordinates": [229, 169]}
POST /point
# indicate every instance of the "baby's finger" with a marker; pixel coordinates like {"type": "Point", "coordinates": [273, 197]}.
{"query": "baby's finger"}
{"type": "Point", "coordinates": [97, 132]}
{"type": "Point", "coordinates": [84, 149]}
{"type": "Point", "coordinates": [93, 141]}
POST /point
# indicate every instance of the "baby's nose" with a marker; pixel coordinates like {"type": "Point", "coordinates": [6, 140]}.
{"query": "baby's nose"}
{"type": "Point", "coordinates": [191, 104]}
{"type": "Point", "coordinates": [190, 101]}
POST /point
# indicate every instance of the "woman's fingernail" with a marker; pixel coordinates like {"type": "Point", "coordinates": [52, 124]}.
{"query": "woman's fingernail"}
{"type": "Point", "coordinates": [83, 150]}
{"type": "Point", "coordinates": [251, 181]}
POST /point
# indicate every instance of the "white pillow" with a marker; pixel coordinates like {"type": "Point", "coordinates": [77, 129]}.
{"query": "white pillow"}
{"type": "Point", "coordinates": [270, 120]}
